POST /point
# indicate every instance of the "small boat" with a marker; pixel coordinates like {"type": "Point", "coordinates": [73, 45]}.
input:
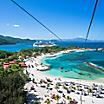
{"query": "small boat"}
{"type": "Point", "coordinates": [80, 73]}
{"type": "Point", "coordinates": [61, 68]}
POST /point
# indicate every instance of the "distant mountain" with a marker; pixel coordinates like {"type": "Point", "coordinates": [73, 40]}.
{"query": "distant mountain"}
{"type": "Point", "coordinates": [72, 40]}
{"type": "Point", "coordinates": [82, 40]}
{"type": "Point", "coordinates": [76, 40]}
{"type": "Point", "coordinates": [12, 40]}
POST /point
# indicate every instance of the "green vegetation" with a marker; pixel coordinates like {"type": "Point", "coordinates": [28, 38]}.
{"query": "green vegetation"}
{"type": "Point", "coordinates": [47, 101]}
{"type": "Point", "coordinates": [72, 47]}
{"type": "Point", "coordinates": [11, 85]}
{"type": "Point", "coordinates": [38, 51]}
{"type": "Point", "coordinates": [7, 56]}
{"type": "Point", "coordinates": [57, 97]}
{"type": "Point", "coordinates": [12, 79]}
{"type": "Point", "coordinates": [19, 56]}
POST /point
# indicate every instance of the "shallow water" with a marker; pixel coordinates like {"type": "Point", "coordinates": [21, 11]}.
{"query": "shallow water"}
{"type": "Point", "coordinates": [73, 65]}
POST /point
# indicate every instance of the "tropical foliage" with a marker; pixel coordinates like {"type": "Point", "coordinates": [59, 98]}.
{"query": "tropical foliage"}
{"type": "Point", "coordinates": [12, 79]}
{"type": "Point", "coordinates": [11, 85]}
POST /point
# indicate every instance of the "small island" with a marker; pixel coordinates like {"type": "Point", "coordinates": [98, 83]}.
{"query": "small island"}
{"type": "Point", "coordinates": [26, 71]}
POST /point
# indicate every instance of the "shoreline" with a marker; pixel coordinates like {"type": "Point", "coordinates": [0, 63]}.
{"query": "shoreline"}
{"type": "Point", "coordinates": [45, 90]}
{"type": "Point", "coordinates": [95, 66]}
{"type": "Point", "coordinates": [39, 61]}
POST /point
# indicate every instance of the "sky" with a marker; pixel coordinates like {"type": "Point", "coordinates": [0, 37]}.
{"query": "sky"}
{"type": "Point", "coordinates": [67, 18]}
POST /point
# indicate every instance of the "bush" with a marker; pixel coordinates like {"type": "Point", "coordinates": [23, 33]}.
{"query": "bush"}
{"type": "Point", "coordinates": [11, 89]}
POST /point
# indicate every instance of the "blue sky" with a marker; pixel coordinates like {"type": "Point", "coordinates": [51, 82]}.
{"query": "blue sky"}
{"type": "Point", "coordinates": [67, 18]}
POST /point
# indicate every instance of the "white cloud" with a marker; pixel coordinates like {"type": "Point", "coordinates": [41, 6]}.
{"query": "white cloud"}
{"type": "Point", "coordinates": [16, 26]}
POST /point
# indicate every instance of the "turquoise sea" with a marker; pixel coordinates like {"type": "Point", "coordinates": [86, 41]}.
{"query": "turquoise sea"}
{"type": "Point", "coordinates": [71, 65]}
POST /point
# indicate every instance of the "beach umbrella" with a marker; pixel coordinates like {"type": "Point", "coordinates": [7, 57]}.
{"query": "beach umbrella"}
{"type": "Point", "coordinates": [57, 97]}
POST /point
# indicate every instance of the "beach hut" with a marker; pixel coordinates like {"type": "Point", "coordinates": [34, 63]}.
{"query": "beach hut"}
{"type": "Point", "coordinates": [22, 64]}
{"type": "Point", "coordinates": [12, 62]}
{"type": "Point", "coordinates": [6, 65]}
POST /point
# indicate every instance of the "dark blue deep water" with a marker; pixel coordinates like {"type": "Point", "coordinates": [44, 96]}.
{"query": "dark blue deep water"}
{"type": "Point", "coordinates": [19, 46]}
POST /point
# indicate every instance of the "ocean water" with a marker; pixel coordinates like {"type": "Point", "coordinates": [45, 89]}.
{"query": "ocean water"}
{"type": "Point", "coordinates": [73, 65]}
{"type": "Point", "coordinates": [81, 44]}
{"type": "Point", "coordinates": [16, 47]}
{"type": "Point", "coordinates": [19, 46]}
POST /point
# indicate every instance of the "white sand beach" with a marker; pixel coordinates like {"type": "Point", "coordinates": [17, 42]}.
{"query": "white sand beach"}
{"type": "Point", "coordinates": [42, 87]}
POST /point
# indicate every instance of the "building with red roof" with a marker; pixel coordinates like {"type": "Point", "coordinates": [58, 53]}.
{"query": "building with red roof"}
{"type": "Point", "coordinates": [12, 62]}
{"type": "Point", "coordinates": [6, 65]}
{"type": "Point", "coordinates": [22, 64]}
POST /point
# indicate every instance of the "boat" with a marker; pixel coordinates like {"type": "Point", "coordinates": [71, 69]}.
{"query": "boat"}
{"type": "Point", "coordinates": [43, 44]}
{"type": "Point", "coordinates": [43, 67]}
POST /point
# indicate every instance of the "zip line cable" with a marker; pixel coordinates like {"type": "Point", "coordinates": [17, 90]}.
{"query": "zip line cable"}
{"type": "Point", "coordinates": [93, 14]}
{"type": "Point", "coordinates": [89, 27]}
{"type": "Point", "coordinates": [36, 20]}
